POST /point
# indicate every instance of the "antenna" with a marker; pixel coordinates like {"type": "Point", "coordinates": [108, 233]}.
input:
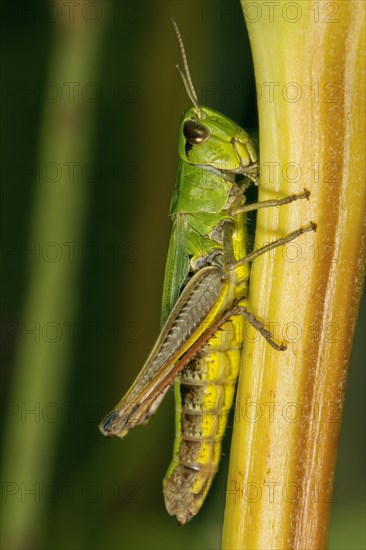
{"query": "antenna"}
{"type": "Point", "coordinates": [185, 75]}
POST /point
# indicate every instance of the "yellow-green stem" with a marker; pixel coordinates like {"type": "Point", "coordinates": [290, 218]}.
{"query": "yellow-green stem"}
{"type": "Point", "coordinates": [310, 75]}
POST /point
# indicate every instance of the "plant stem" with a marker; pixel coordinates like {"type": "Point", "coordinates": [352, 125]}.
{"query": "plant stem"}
{"type": "Point", "coordinates": [310, 75]}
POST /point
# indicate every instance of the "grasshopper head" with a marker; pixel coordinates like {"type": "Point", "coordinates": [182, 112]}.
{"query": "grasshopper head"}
{"type": "Point", "coordinates": [208, 138]}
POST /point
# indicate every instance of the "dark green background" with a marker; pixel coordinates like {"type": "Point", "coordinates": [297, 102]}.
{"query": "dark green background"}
{"type": "Point", "coordinates": [118, 501]}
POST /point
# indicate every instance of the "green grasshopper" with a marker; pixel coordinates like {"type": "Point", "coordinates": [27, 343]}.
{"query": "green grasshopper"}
{"type": "Point", "coordinates": [204, 305]}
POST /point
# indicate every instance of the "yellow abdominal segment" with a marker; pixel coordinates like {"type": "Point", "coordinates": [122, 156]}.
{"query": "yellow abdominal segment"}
{"type": "Point", "coordinates": [205, 394]}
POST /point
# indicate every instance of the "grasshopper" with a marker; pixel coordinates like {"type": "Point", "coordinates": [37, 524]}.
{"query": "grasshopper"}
{"type": "Point", "coordinates": [205, 302]}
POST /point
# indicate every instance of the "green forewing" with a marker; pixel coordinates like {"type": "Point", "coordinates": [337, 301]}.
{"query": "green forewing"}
{"type": "Point", "coordinates": [177, 266]}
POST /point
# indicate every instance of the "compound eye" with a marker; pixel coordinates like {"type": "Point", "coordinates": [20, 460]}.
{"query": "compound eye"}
{"type": "Point", "coordinates": [195, 133]}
